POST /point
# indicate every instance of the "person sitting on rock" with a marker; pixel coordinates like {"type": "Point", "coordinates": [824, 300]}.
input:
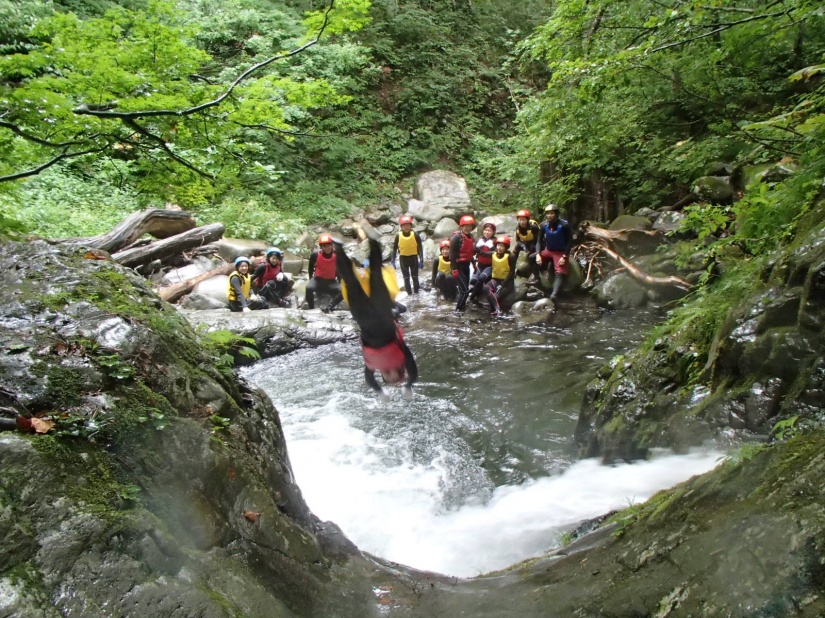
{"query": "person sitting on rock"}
{"type": "Point", "coordinates": [484, 249]}
{"type": "Point", "coordinates": [270, 281]}
{"type": "Point", "coordinates": [504, 271]}
{"type": "Point", "coordinates": [408, 244]}
{"type": "Point", "coordinates": [442, 278]}
{"type": "Point", "coordinates": [555, 242]}
{"type": "Point", "coordinates": [382, 340]}
{"type": "Point", "coordinates": [462, 251]}
{"type": "Point", "coordinates": [323, 274]}
{"type": "Point", "coordinates": [527, 240]}
{"type": "Point", "coordinates": [239, 290]}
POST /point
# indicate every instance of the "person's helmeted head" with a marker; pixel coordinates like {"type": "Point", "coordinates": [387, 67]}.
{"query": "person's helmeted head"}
{"type": "Point", "coordinates": [325, 242]}
{"type": "Point", "coordinates": [467, 223]}
{"type": "Point", "coordinates": [523, 218]}
{"type": "Point", "coordinates": [444, 246]}
{"type": "Point", "coordinates": [242, 264]}
{"type": "Point", "coordinates": [502, 244]}
{"type": "Point", "coordinates": [393, 376]}
{"type": "Point", "coordinates": [274, 255]}
{"type": "Point", "coordinates": [406, 223]}
{"type": "Point", "coordinates": [551, 211]}
{"type": "Point", "coordinates": [488, 229]}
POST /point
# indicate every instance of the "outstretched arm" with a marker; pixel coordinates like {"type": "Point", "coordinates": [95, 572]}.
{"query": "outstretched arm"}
{"type": "Point", "coordinates": [369, 376]}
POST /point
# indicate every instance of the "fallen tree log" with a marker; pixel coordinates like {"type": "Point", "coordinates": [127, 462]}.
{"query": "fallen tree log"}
{"type": "Point", "coordinates": [610, 236]}
{"type": "Point", "coordinates": [643, 277]}
{"type": "Point", "coordinates": [169, 246]}
{"type": "Point", "coordinates": [171, 293]}
{"type": "Point", "coordinates": [157, 222]}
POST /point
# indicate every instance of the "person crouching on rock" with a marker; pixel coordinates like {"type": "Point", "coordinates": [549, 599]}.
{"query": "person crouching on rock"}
{"type": "Point", "coordinates": [442, 278]}
{"type": "Point", "coordinates": [323, 274]}
{"type": "Point", "coordinates": [270, 281]}
{"type": "Point", "coordinates": [382, 340]}
{"type": "Point", "coordinates": [239, 290]}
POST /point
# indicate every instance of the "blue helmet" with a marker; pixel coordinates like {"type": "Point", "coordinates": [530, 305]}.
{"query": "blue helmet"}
{"type": "Point", "coordinates": [276, 251]}
{"type": "Point", "coordinates": [241, 259]}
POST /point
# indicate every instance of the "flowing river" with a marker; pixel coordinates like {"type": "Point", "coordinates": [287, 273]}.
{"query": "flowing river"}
{"type": "Point", "coordinates": [478, 471]}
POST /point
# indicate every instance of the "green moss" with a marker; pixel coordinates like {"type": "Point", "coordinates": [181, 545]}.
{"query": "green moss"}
{"type": "Point", "coordinates": [87, 475]}
{"type": "Point", "coordinates": [64, 385]}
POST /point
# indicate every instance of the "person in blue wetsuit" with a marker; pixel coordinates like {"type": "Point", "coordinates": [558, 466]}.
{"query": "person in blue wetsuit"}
{"type": "Point", "coordinates": [555, 242]}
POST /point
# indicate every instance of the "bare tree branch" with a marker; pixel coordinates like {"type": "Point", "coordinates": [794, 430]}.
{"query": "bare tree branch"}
{"type": "Point", "coordinates": [33, 138]}
{"type": "Point", "coordinates": [35, 171]}
{"type": "Point", "coordinates": [132, 124]}
{"type": "Point", "coordinates": [88, 110]}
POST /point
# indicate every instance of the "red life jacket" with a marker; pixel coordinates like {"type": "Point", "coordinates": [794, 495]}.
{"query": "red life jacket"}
{"type": "Point", "coordinates": [389, 357]}
{"type": "Point", "coordinates": [325, 266]}
{"type": "Point", "coordinates": [269, 274]}
{"type": "Point", "coordinates": [467, 249]}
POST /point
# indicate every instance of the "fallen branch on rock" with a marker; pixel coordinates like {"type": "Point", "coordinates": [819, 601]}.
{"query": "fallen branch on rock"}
{"type": "Point", "coordinates": [601, 235]}
{"type": "Point", "coordinates": [171, 293]}
{"type": "Point", "coordinates": [157, 222]}
{"type": "Point", "coordinates": [169, 246]}
{"type": "Point", "coordinates": [639, 275]}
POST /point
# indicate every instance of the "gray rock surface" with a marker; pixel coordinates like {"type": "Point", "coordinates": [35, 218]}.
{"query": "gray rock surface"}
{"type": "Point", "coordinates": [445, 190]}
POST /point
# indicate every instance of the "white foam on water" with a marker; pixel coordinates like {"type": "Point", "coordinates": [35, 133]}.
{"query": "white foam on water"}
{"type": "Point", "coordinates": [394, 509]}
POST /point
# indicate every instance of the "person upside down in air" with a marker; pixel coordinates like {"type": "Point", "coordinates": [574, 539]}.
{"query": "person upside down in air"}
{"type": "Point", "coordinates": [382, 340]}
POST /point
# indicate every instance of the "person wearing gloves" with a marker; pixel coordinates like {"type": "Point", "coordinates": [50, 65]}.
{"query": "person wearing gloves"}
{"type": "Point", "coordinates": [462, 252]}
{"type": "Point", "coordinates": [442, 276]}
{"type": "Point", "coordinates": [239, 290]}
{"type": "Point", "coordinates": [408, 244]}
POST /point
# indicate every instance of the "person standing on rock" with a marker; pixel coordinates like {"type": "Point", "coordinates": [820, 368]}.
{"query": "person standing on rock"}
{"type": "Point", "coordinates": [442, 279]}
{"type": "Point", "coordinates": [527, 240]}
{"type": "Point", "coordinates": [462, 251]}
{"type": "Point", "coordinates": [408, 244]}
{"type": "Point", "coordinates": [239, 290]}
{"type": "Point", "coordinates": [270, 281]}
{"type": "Point", "coordinates": [555, 242]}
{"type": "Point", "coordinates": [382, 340]}
{"type": "Point", "coordinates": [323, 274]}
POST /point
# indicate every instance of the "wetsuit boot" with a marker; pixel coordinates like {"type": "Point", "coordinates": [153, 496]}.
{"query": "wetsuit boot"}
{"type": "Point", "coordinates": [558, 280]}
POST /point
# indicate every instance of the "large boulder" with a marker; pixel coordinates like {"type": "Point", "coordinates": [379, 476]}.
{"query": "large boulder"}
{"type": "Point", "coordinates": [427, 212]}
{"type": "Point", "coordinates": [714, 189]}
{"type": "Point", "coordinates": [445, 228]}
{"type": "Point", "coordinates": [230, 248]}
{"type": "Point", "coordinates": [214, 287]}
{"type": "Point", "coordinates": [630, 222]}
{"type": "Point", "coordinates": [445, 190]}
{"type": "Point", "coordinates": [199, 266]}
{"type": "Point", "coordinates": [505, 224]}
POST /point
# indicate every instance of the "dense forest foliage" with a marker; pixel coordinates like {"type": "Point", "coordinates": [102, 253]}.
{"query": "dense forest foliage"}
{"type": "Point", "coordinates": [270, 116]}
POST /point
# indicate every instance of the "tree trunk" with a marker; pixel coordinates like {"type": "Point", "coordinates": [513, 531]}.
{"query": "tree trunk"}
{"type": "Point", "coordinates": [173, 292]}
{"type": "Point", "coordinates": [156, 222]}
{"type": "Point", "coordinates": [610, 236]}
{"type": "Point", "coordinates": [169, 246]}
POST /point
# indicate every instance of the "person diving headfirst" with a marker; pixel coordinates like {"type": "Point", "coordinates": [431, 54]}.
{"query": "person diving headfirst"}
{"type": "Point", "coordinates": [382, 340]}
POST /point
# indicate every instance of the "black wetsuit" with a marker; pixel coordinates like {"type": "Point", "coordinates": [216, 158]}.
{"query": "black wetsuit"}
{"type": "Point", "coordinates": [498, 288]}
{"type": "Point", "coordinates": [374, 313]}
{"type": "Point", "coordinates": [443, 282]}
{"type": "Point", "coordinates": [264, 281]}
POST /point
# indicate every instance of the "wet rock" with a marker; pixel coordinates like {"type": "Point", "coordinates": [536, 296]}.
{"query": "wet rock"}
{"type": "Point", "coordinates": [443, 190]}
{"type": "Point", "coordinates": [714, 189]}
{"type": "Point", "coordinates": [445, 228]}
{"type": "Point", "coordinates": [230, 248]}
{"type": "Point", "coordinates": [620, 291]}
{"type": "Point", "coordinates": [427, 212]}
{"type": "Point", "coordinates": [199, 302]}
{"type": "Point", "coordinates": [668, 222]}
{"type": "Point", "coordinates": [214, 288]}
{"type": "Point", "coordinates": [630, 222]}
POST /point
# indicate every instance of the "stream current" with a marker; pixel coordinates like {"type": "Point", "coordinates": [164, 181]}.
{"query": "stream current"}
{"type": "Point", "coordinates": [478, 471]}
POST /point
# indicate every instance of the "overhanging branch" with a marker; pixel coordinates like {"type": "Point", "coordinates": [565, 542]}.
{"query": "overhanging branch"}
{"type": "Point", "coordinates": [35, 171]}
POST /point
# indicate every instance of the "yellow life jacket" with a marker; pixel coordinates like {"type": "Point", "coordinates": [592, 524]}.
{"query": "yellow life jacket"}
{"type": "Point", "coordinates": [246, 286]}
{"type": "Point", "coordinates": [407, 244]}
{"type": "Point", "coordinates": [388, 272]}
{"type": "Point", "coordinates": [527, 236]}
{"type": "Point", "coordinates": [501, 266]}
{"type": "Point", "coordinates": [444, 265]}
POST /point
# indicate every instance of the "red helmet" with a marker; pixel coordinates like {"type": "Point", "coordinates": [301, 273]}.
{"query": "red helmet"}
{"type": "Point", "coordinates": [467, 220]}
{"type": "Point", "coordinates": [444, 243]}
{"type": "Point", "coordinates": [489, 224]}
{"type": "Point", "coordinates": [325, 239]}
{"type": "Point", "coordinates": [405, 219]}
{"type": "Point", "coordinates": [503, 240]}
{"type": "Point", "coordinates": [523, 213]}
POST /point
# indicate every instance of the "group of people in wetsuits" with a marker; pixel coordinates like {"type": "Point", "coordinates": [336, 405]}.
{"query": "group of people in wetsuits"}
{"type": "Point", "coordinates": [465, 268]}
{"type": "Point", "coordinates": [485, 268]}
